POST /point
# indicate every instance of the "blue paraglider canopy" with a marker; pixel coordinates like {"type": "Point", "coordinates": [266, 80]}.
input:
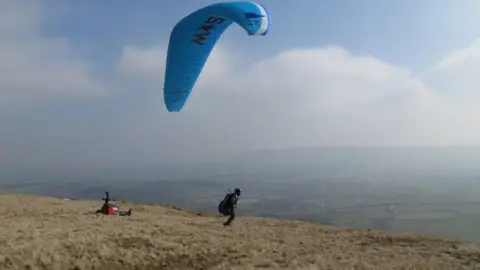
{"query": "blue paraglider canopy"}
{"type": "Point", "coordinates": [193, 38]}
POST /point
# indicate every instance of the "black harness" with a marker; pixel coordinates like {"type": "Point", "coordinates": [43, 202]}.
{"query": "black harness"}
{"type": "Point", "coordinates": [225, 205]}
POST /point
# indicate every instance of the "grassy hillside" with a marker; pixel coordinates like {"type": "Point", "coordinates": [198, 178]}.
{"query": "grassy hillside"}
{"type": "Point", "coordinates": [47, 233]}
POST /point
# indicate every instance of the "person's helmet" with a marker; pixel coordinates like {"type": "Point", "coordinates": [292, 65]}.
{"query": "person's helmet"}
{"type": "Point", "coordinates": [237, 191]}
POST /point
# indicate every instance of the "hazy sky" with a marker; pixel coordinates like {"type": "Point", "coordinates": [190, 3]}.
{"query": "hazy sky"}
{"type": "Point", "coordinates": [81, 81]}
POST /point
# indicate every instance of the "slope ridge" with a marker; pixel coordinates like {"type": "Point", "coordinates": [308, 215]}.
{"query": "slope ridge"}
{"type": "Point", "coordinates": [47, 233]}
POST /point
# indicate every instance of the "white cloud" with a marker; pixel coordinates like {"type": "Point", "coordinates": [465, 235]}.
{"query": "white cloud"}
{"type": "Point", "coordinates": [457, 75]}
{"type": "Point", "coordinates": [19, 17]}
{"type": "Point", "coordinates": [325, 96]}
{"type": "Point", "coordinates": [33, 66]}
{"type": "Point", "coordinates": [144, 64]}
{"type": "Point", "coordinates": [329, 76]}
{"type": "Point", "coordinates": [334, 78]}
{"type": "Point", "coordinates": [460, 58]}
{"type": "Point", "coordinates": [149, 64]}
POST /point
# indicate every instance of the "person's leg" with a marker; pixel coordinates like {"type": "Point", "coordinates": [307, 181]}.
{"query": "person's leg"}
{"type": "Point", "coordinates": [231, 218]}
{"type": "Point", "coordinates": [123, 213]}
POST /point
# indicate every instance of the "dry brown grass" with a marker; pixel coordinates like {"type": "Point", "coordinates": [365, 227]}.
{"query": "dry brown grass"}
{"type": "Point", "coordinates": [47, 233]}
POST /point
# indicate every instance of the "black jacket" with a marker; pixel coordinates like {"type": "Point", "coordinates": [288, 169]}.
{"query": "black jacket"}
{"type": "Point", "coordinates": [228, 203]}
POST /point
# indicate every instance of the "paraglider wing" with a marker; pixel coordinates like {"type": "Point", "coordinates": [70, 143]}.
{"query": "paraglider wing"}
{"type": "Point", "coordinates": [193, 38]}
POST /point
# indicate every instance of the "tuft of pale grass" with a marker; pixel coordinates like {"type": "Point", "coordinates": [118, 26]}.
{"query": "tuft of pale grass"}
{"type": "Point", "coordinates": [47, 233]}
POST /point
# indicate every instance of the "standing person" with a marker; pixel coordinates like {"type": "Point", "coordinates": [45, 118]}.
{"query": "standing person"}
{"type": "Point", "coordinates": [228, 205]}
